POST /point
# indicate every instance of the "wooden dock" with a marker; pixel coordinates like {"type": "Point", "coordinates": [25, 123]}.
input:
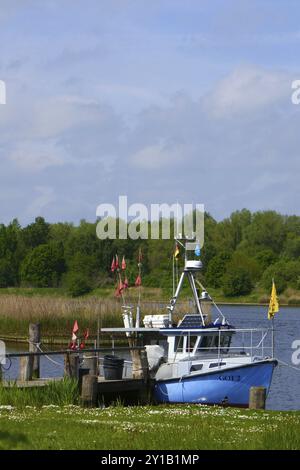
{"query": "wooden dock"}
{"type": "Point", "coordinates": [92, 387]}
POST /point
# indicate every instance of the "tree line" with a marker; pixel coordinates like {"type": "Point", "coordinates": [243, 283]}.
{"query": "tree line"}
{"type": "Point", "coordinates": [241, 252]}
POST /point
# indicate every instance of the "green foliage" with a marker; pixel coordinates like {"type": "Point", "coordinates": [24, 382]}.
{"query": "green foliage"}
{"type": "Point", "coordinates": [60, 393]}
{"type": "Point", "coordinates": [240, 276]}
{"type": "Point", "coordinates": [285, 273]}
{"type": "Point", "coordinates": [43, 266]}
{"type": "Point", "coordinates": [163, 427]}
{"type": "Point", "coordinates": [243, 250]}
{"type": "Point", "coordinates": [267, 230]}
{"type": "Point", "coordinates": [78, 284]}
{"type": "Point", "coordinates": [37, 233]}
{"type": "Point", "coordinates": [216, 269]}
{"type": "Point", "coordinates": [237, 281]}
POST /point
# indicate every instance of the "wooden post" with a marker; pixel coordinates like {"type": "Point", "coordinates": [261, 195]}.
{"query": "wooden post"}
{"type": "Point", "coordinates": [71, 368]}
{"type": "Point", "coordinates": [34, 341]}
{"type": "Point", "coordinates": [26, 368]}
{"type": "Point", "coordinates": [145, 365]}
{"type": "Point", "coordinates": [137, 369]}
{"type": "Point", "coordinates": [91, 363]}
{"type": "Point", "coordinates": [257, 398]}
{"type": "Point", "coordinates": [140, 366]}
{"type": "Point", "coordinates": [89, 391]}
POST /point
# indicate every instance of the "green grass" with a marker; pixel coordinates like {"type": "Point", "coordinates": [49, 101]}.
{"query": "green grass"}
{"type": "Point", "coordinates": [161, 427]}
{"type": "Point", "coordinates": [257, 296]}
{"type": "Point", "coordinates": [61, 392]}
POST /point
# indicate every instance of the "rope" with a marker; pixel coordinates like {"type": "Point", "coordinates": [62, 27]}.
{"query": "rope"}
{"type": "Point", "coordinates": [48, 357]}
{"type": "Point", "coordinates": [288, 365]}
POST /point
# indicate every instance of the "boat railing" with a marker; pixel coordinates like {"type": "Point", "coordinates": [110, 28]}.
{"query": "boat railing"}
{"type": "Point", "coordinates": [254, 342]}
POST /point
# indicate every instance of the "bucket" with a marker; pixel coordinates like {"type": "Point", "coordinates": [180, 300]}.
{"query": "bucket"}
{"type": "Point", "coordinates": [113, 367]}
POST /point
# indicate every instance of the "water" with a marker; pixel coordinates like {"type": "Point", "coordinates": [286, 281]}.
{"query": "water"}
{"type": "Point", "coordinates": [285, 389]}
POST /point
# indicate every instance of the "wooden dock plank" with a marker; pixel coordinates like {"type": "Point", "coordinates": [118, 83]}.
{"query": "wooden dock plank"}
{"type": "Point", "coordinates": [116, 386]}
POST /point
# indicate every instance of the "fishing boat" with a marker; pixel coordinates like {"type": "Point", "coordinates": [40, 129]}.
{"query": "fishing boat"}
{"type": "Point", "coordinates": [198, 358]}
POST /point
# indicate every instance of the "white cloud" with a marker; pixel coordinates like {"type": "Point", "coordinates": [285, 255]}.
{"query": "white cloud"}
{"type": "Point", "coordinates": [155, 157]}
{"type": "Point", "coordinates": [246, 90]}
{"type": "Point", "coordinates": [38, 155]}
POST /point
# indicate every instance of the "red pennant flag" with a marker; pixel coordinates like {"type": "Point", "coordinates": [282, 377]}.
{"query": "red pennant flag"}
{"type": "Point", "coordinates": [123, 263]}
{"type": "Point", "coordinates": [75, 327]}
{"type": "Point", "coordinates": [125, 284]}
{"type": "Point", "coordinates": [138, 281]}
{"type": "Point", "coordinates": [117, 262]}
{"type": "Point", "coordinates": [82, 345]}
{"type": "Point", "coordinates": [86, 334]}
{"type": "Point", "coordinates": [113, 265]}
{"type": "Point", "coordinates": [119, 289]}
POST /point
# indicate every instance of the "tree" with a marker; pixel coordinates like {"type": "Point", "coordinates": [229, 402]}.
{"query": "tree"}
{"type": "Point", "coordinates": [267, 231]}
{"type": "Point", "coordinates": [241, 274]}
{"type": "Point", "coordinates": [237, 281]}
{"type": "Point", "coordinates": [216, 269]}
{"type": "Point", "coordinates": [37, 233]}
{"type": "Point", "coordinates": [43, 266]}
{"type": "Point", "coordinates": [285, 273]}
{"type": "Point", "coordinates": [7, 273]}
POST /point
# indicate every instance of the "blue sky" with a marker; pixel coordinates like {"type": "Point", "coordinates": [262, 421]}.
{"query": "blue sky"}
{"type": "Point", "coordinates": [164, 101]}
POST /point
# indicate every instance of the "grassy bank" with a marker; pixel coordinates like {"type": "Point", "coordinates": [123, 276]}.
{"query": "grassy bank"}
{"type": "Point", "coordinates": [258, 296]}
{"type": "Point", "coordinates": [57, 312]}
{"type": "Point", "coordinates": [161, 427]}
{"type": "Point", "coordinates": [60, 392]}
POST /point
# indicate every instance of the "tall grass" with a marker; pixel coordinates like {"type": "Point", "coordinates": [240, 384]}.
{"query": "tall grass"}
{"type": "Point", "coordinates": [60, 392]}
{"type": "Point", "coordinates": [57, 314]}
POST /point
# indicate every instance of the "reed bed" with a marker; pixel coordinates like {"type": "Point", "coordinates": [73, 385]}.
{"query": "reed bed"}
{"type": "Point", "coordinates": [57, 314]}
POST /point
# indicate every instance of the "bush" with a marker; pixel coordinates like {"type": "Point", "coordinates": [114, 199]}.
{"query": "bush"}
{"type": "Point", "coordinates": [237, 281]}
{"type": "Point", "coordinates": [78, 284]}
{"type": "Point", "coordinates": [284, 273]}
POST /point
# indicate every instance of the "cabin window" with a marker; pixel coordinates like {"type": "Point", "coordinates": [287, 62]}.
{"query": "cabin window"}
{"type": "Point", "coordinates": [178, 347]}
{"type": "Point", "coordinates": [205, 343]}
{"type": "Point", "coordinates": [225, 343]}
{"type": "Point", "coordinates": [212, 342]}
{"type": "Point", "coordinates": [217, 364]}
{"type": "Point", "coordinates": [196, 367]}
{"type": "Point", "coordinates": [191, 341]}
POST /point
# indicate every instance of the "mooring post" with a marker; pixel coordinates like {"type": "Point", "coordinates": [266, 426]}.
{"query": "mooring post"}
{"type": "Point", "coordinates": [89, 391]}
{"type": "Point", "coordinates": [144, 365]}
{"type": "Point", "coordinates": [137, 369]}
{"type": "Point", "coordinates": [34, 343]}
{"type": "Point", "coordinates": [257, 398]}
{"type": "Point", "coordinates": [71, 366]}
{"type": "Point", "coordinates": [91, 362]}
{"type": "Point", "coordinates": [26, 368]}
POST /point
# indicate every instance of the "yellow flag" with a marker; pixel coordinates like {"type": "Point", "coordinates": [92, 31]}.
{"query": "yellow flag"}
{"type": "Point", "coordinates": [274, 305]}
{"type": "Point", "coordinates": [176, 252]}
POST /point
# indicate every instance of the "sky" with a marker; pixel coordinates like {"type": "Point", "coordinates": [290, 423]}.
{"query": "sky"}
{"type": "Point", "coordinates": [164, 101]}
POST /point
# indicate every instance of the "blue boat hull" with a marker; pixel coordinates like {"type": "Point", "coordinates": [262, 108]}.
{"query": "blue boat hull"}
{"type": "Point", "coordinates": [230, 387]}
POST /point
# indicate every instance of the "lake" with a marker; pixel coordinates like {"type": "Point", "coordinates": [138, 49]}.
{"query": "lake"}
{"type": "Point", "coordinates": [285, 389]}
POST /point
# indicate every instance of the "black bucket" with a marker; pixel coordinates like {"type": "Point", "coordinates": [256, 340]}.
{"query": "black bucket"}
{"type": "Point", "coordinates": [113, 367]}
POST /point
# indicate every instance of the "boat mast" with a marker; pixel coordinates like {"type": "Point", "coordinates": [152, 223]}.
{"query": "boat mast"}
{"type": "Point", "coordinates": [190, 267]}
